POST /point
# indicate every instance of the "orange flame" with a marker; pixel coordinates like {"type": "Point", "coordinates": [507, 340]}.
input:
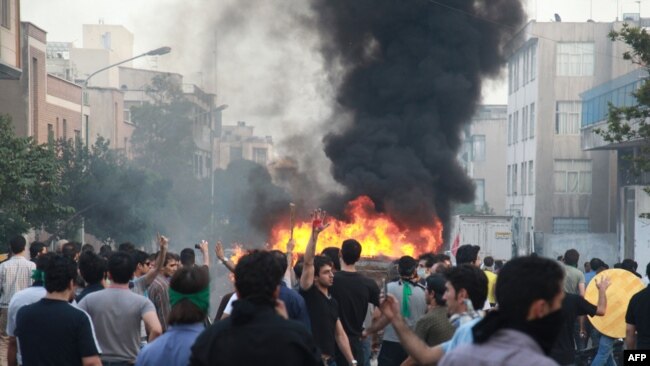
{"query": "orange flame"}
{"type": "Point", "coordinates": [238, 251]}
{"type": "Point", "coordinates": [377, 233]}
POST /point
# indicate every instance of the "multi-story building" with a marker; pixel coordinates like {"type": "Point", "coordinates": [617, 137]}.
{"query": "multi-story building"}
{"type": "Point", "coordinates": [484, 151]}
{"type": "Point", "coordinates": [10, 55]}
{"type": "Point", "coordinates": [107, 118]}
{"type": "Point", "coordinates": [553, 186]}
{"type": "Point", "coordinates": [58, 60]}
{"type": "Point", "coordinates": [633, 201]}
{"type": "Point", "coordinates": [239, 142]}
{"type": "Point", "coordinates": [42, 106]}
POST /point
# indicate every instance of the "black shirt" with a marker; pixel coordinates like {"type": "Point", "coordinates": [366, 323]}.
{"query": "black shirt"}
{"type": "Point", "coordinates": [572, 306]}
{"type": "Point", "coordinates": [89, 290]}
{"type": "Point", "coordinates": [254, 335]}
{"type": "Point", "coordinates": [354, 292]}
{"type": "Point", "coordinates": [53, 332]}
{"type": "Point", "coordinates": [638, 314]}
{"type": "Point", "coordinates": [323, 313]}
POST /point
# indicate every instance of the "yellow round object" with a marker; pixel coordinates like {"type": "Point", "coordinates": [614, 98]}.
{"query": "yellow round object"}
{"type": "Point", "coordinates": [623, 286]}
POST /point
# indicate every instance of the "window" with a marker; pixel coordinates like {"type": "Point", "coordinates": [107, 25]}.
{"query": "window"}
{"type": "Point", "coordinates": [514, 179]}
{"type": "Point", "coordinates": [478, 147]}
{"type": "Point", "coordinates": [524, 174]}
{"type": "Point", "coordinates": [65, 129]}
{"type": "Point", "coordinates": [531, 121]}
{"type": "Point", "coordinates": [509, 181]}
{"type": "Point", "coordinates": [510, 75]}
{"type": "Point", "coordinates": [260, 155]}
{"type": "Point", "coordinates": [510, 129]}
{"type": "Point", "coordinates": [524, 124]}
{"type": "Point", "coordinates": [526, 65]}
{"type": "Point", "coordinates": [567, 118]}
{"type": "Point", "coordinates": [572, 176]}
{"type": "Point", "coordinates": [236, 153]}
{"type": "Point", "coordinates": [479, 196]}
{"type": "Point", "coordinates": [5, 13]}
{"type": "Point", "coordinates": [515, 128]}
{"type": "Point", "coordinates": [50, 132]}
{"type": "Point", "coordinates": [77, 135]}
{"type": "Point", "coordinates": [533, 62]}
{"type": "Point", "coordinates": [575, 59]}
{"type": "Point", "coordinates": [568, 225]}
{"type": "Point", "coordinates": [531, 178]}
{"type": "Point", "coordinates": [516, 71]}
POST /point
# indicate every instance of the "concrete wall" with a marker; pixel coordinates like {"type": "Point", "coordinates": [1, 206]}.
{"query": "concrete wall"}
{"type": "Point", "coordinates": [107, 117]}
{"type": "Point", "coordinates": [603, 246]}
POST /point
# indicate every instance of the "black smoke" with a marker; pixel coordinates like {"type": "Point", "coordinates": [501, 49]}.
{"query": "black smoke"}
{"type": "Point", "coordinates": [410, 76]}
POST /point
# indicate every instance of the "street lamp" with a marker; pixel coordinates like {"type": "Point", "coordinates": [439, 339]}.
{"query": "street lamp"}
{"type": "Point", "coordinates": [156, 52]}
{"type": "Point", "coordinates": [84, 127]}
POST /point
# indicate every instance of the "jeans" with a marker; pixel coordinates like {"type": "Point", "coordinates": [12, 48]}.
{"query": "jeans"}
{"type": "Point", "coordinates": [330, 362]}
{"type": "Point", "coordinates": [391, 354]}
{"type": "Point", "coordinates": [605, 355]}
{"type": "Point", "coordinates": [367, 351]}
{"type": "Point", "coordinates": [357, 351]}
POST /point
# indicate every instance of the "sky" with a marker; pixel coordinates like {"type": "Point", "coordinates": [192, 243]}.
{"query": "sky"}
{"type": "Point", "coordinates": [269, 70]}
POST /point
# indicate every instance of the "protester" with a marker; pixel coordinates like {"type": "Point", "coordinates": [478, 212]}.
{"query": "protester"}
{"type": "Point", "coordinates": [24, 297]}
{"type": "Point", "coordinates": [146, 272]}
{"type": "Point", "coordinates": [353, 292]}
{"type": "Point", "coordinates": [412, 299]}
{"type": "Point", "coordinates": [159, 289]}
{"type": "Point", "coordinates": [488, 269]}
{"type": "Point", "coordinates": [105, 251]}
{"type": "Point", "coordinates": [573, 306]}
{"type": "Point", "coordinates": [36, 249]}
{"type": "Point", "coordinates": [468, 254]}
{"type": "Point", "coordinates": [189, 292]}
{"type": "Point", "coordinates": [630, 265]}
{"type": "Point", "coordinates": [15, 275]}
{"type": "Point", "coordinates": [316, 280]}
{"type": "Point", "coordinates": [637, 319]}
{"type": "Point", "coordinates": [441, 263]}
{"type": "Point", "coordinates": [53, 332]}
{"type": "Point", "coordinates": [93, 269]}
{"type": "Point", "coordinates": [116, 313]}
{"type": "Point", "coordinates": [256, 333]}
{"type": "Point", "coordinates": [71, 249]}
{"type": "Point", "coordinates": [334, 254]}
{"type": "Point", "coordinates": [574, 281]}
{"type": "Point", "coordinates": [425, 267]}
{"type": "Point", "coordinates": [434, 327]}
{"type": "Point", "coordinates": [126, 247]}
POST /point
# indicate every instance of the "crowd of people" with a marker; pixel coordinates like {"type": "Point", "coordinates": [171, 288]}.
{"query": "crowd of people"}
{"type": "Point", "coordinates": [124, 307]}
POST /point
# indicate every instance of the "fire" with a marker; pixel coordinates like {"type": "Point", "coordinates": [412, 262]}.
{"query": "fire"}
{"type": "Point", "coordinates": [238, 251]}
{"type": "Point", "coordinates": [376, 232]}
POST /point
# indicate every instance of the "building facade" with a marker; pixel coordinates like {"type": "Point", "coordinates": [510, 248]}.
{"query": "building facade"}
{"type": "Point", "coordinates": [239, 142]}
{"type": "Point", "coordinates": [10, 54]}
{"type": "Point", "coordinates": [553, 186]}
{"type": "Point", "coordinates": [484, 151]}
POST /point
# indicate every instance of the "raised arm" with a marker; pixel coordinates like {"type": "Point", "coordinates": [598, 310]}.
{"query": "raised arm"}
{"type": "Point", "coordinates": [602, 295]}
{"type": "Point", "coordinates": [318, 225]}
{"type": "Point", "coordinates": [163, 243]}
{"type": "Point", "coordinates": [218, 249]}
{"type": "Point", "coordinates": [205, 251]}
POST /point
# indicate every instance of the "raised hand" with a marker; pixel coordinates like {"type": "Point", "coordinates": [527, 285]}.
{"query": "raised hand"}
{"type": "Point", "coordinates": [319, 218]}
{"type": "Point", "coordinates": [603, 284]}
{"type": "Point", "coordinates": [291, 244]}
{"type": "Point", "coordinates": [218, 249]}
{"type": "Point", "coordinates": [203, 245]}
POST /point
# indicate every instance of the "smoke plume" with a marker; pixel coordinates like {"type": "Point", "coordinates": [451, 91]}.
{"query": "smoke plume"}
{"type": "Point", "coordinates": [410, 77]}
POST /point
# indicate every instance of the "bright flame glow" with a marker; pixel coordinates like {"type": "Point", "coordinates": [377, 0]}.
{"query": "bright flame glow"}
{"type": "Point", "coordinates": [377, 233]}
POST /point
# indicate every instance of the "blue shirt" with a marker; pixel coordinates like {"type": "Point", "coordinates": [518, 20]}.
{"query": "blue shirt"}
{"type": "Point", "coordinates": [589, 276]}
{"type": "Point", "coordinates": [462, 336]}
{"type": "Point", "coordinates": [171, 348]}
{"type": "Point", "coordinates": [295, 304]}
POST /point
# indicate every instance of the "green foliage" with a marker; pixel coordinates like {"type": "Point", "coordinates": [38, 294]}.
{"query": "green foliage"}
{"type": "Point", "coordinates": [630, 123]}
{"type": "Point", "coordinates": [30, 187]}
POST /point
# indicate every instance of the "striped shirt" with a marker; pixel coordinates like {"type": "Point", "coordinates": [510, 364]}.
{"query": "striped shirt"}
{"type": "Point", "coordinates": [159, 295]}
{"type": "Point", "coordinates": [15, 275]}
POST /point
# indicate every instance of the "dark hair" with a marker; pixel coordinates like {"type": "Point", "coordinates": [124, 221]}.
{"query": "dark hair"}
{"type": "Point", "coordinates": [428, 258]}
{"type": "Point", "coordinates": [617, 265]}
{"type": "Point", "coordinates": [321, 261]}
{"type": "Point", "coordinates": [71, 249]}
{"type": "Point", "coordinates": [43, 261]}
{"type": "Point", "coordinates": [472, 279]}
{"type": "Point", "coordinates": [139, 257]}
{"type": "Point", "coordinates": [647, 270]}
{"type": "Point", "coordinates": [498, 265]}
{"type": "Point", "coordinates": [126, 247]}
{"type": "Point", "coordinates": [257, 276]}
{"type": "Point", "coordinates": [88, 248]}
{"type": "Point", "coordinates": [467, 254]}
{"type": "Point", "coordinates": [297, 268]}
{"type": "Point", "coordinates": [333, 254]}
{"type": "Point", "coordinates": [92, 267]}
{"type": "Point", "coordinates": [35, 249]}
{"type": "Point", "coordinates": [188, 280]}
{"type": "Point", "coordinates": [629, 264]}
{"type": "Point", "coordinates": [350, 251]}
{"type": "Point", "coordinates": [488, 261]}
{"type": "Point", "coordinates": [436, 284]}
{"type": "Point", "coordinates": [282, 259]}
{"type": "Point", "coordinates": [59, 272]}
{"type": "Point", "coordinates": [171, 256]}
{"type": "Point", "coordinates": [571, 257]}
{"type": "Point", "coordinates": [188, 258]}
{"type": "Point", "coordinates": [524, 280]}
{"type": "Point", "coordinates": [596, 264]}
{"type": "Point", "coordinates": [105, 251]}
{"type": "Point", "coordinates": [17, 244]}
{"type": "Point", "coordinates": [121, 267]}
{"type": "Point", "coordinates": [406, 266]}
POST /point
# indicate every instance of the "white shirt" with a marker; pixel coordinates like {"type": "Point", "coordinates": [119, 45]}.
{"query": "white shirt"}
{"type": "Point", "coordinates": [228, 309]}
{"type": "Point", "coordinates": [22, 298]}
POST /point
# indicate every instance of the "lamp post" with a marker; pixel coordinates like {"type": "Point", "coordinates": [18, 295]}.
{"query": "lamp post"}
{"type": "Point", "coordinates": [84, 127]}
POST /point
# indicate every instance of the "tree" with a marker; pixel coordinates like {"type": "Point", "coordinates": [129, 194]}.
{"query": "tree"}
{"type": "Point", "coordinates": [630, 123]}
{"type": "Point", "coordinates": [30, 188]}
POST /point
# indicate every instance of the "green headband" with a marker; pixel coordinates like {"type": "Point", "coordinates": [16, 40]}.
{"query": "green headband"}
{"type": "Point", "coordinates": [38, 275]}
{"type": "Point", "coordinates": [200, 299]}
